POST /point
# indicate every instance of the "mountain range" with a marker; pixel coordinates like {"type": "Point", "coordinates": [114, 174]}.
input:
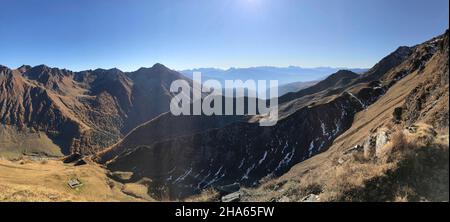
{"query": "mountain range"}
{"type": "Point", "coordinates": [83, 112]}
{"type": "Point", "coordinates": [284, 75]}
{"type": "Point", "coordinates": [121, 121]}
{"type": "Point", "coordinates": [242, 152]}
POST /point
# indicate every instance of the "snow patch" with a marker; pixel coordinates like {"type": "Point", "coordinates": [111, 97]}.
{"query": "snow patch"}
{"type": "Point", "coordinates": [322, 125]}
{"type": "Point", "coordinates": [182, 177]}
{"type": "Point", "coordinates": [311, 148]}
{"type": "Point", "coordinates": [248, 172]}
{"type": "Point", "coordinates": [220, 169]}
{"type": "Point", "coordinates": [286, 160]}
{"type": "Point", "coordinates": [263, 158]}
{"type": "Point", "coordinates": [241, 164]}
{"type": "Point", "coordinates": [286, 145]}
{"type": "Point", "coordinates": [203, 180]}
{"type": "Point", "coordinates": [357, 99]}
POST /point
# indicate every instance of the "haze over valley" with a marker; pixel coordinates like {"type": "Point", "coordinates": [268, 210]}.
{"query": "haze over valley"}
{"type": "Point", "coordinates": [374, 130]}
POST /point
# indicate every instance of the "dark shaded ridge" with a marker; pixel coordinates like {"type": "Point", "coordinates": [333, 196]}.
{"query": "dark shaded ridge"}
{"type": "Point", "coordinates": [246, 153]}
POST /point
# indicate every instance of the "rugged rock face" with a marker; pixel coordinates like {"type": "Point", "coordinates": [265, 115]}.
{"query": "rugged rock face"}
{"type": "Point", "coordinates": [164, 127]}
{"type": "Point", "coordinates": [240, 152]}
{"type": "Point", "coordinates": [243, 152]}
{"type": "Point", "coordinates": [82, 111]}
{"type": "Point", "coordinates": [396, 148]}
{"type": "Point", "coordinates": [27, 104]}
{"type": "Point", "coordinates": [428, 102]}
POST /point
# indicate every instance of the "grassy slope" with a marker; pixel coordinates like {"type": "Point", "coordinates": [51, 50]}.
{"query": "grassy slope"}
{"type": "Point", "coordinates": [46, 180]}
{"type": "Point", "coordinates": [14, 143]}
{"type": "Point", "coordinates": [322, 174]}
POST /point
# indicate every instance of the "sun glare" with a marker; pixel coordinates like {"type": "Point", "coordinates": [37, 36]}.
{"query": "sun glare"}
{"type": "Point", "coordinates": [251, 5]}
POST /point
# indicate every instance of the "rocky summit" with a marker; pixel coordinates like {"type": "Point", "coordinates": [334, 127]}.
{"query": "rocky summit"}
{"type": "Point", "coordinates": [334, 139]}
{"type": "Point", "coordinates": [55, 111]}
{"type": "Point", "coordinates": [311, 121]}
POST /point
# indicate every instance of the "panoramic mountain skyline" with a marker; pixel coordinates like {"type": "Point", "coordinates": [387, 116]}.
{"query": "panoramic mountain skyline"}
{"type": "Point", "coordinates": [108, 106]}
{"type": "Point", "coordinates": [81, 35]}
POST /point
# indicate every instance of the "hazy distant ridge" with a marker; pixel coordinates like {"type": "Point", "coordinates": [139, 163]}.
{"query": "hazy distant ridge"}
{"type": "Point", "coordinates": [284, 75]}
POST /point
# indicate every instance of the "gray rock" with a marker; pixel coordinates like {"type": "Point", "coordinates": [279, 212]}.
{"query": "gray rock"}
{"type": "Point", "coordinates": [284, 199]}
{"type": "Point", "coordinates": [381, 140]}
{"type": "Point", "coordinates": [310, 198]}
{"type": "Point", "coordinates": [232, 197]}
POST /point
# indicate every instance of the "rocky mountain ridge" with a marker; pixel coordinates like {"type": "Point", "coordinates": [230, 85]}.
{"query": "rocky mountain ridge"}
{"type": "Point", "coordinates": [243, 152]}
{"type": "Point", "coordinates": [82, 111]}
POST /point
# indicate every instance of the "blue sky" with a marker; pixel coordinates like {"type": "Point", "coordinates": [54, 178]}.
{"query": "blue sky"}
{"type": "Point", "coordinates": [182, 34]}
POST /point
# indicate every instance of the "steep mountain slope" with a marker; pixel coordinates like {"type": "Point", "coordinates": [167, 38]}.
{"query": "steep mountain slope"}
{"type": "Point", "coordinates": [396, 149]}
{"type": "Point", "coordinates": [150, 94]}
{"type": "Point", "coordinates": [79, 111]}
{"type": "Point", "coordinates": [26, 104]}
{"type": "Point", "coordinates": [337, 80]}
{"type": "Point", "coordinates": [164, 127]}
{"type": "Point", "coordinates": [243, 152]}
{"type": "Point", "coordinates": [167, 126]}
{"type": "Point", "coordinates": [293, 87]}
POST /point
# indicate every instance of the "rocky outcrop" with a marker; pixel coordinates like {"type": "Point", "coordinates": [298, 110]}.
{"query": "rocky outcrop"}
{"type": "Point", "coordinates": [388, 154]}
{"type": "Point", "coordinates": [243, 152]}
{"type": "Point", "coordinates": [84, 111]}
{"type": "Point", "coordinates": [428, 101]}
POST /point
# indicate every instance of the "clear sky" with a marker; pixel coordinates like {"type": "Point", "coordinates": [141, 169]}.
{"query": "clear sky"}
{"type": "Point", "coordinates": [182, 34]}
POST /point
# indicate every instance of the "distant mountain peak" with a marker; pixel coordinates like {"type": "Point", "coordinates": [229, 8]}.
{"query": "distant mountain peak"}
{"type": "Point", "coordinates": [345, 71]}
{"type": "Point", "coordinates": [156, 68]}
{"type": "Point", "coordinates": [115, 69]}
{"type": "Point", "coordinates": [159, 66]}
{"type": "Point", "coordinates": [41, 67]}
{"type": "Point", "coordinates": [342, 74]}
{"type": "Point", "coordinates": [90, 109]}
{"type": "Point", "coordinates": [24, 68]}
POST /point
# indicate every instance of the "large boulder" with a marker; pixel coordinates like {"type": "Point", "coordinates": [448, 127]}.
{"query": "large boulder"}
{"type": "Point", "coordinates": [381, 139]}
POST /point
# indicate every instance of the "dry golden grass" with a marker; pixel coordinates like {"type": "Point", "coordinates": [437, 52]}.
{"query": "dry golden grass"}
{"type": "Point", "coordinates": [137, 190]}
{"type": "Point", "coordinates": [46, 180]}
{"type": "Point", "coordinates": [14, 142]}
{"type": "Point", "coordinates": [208, 195]}
{"type": "Point", "coordinates": [411, 167]}
{"type": "Point", "coordinates": [26, 193]}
